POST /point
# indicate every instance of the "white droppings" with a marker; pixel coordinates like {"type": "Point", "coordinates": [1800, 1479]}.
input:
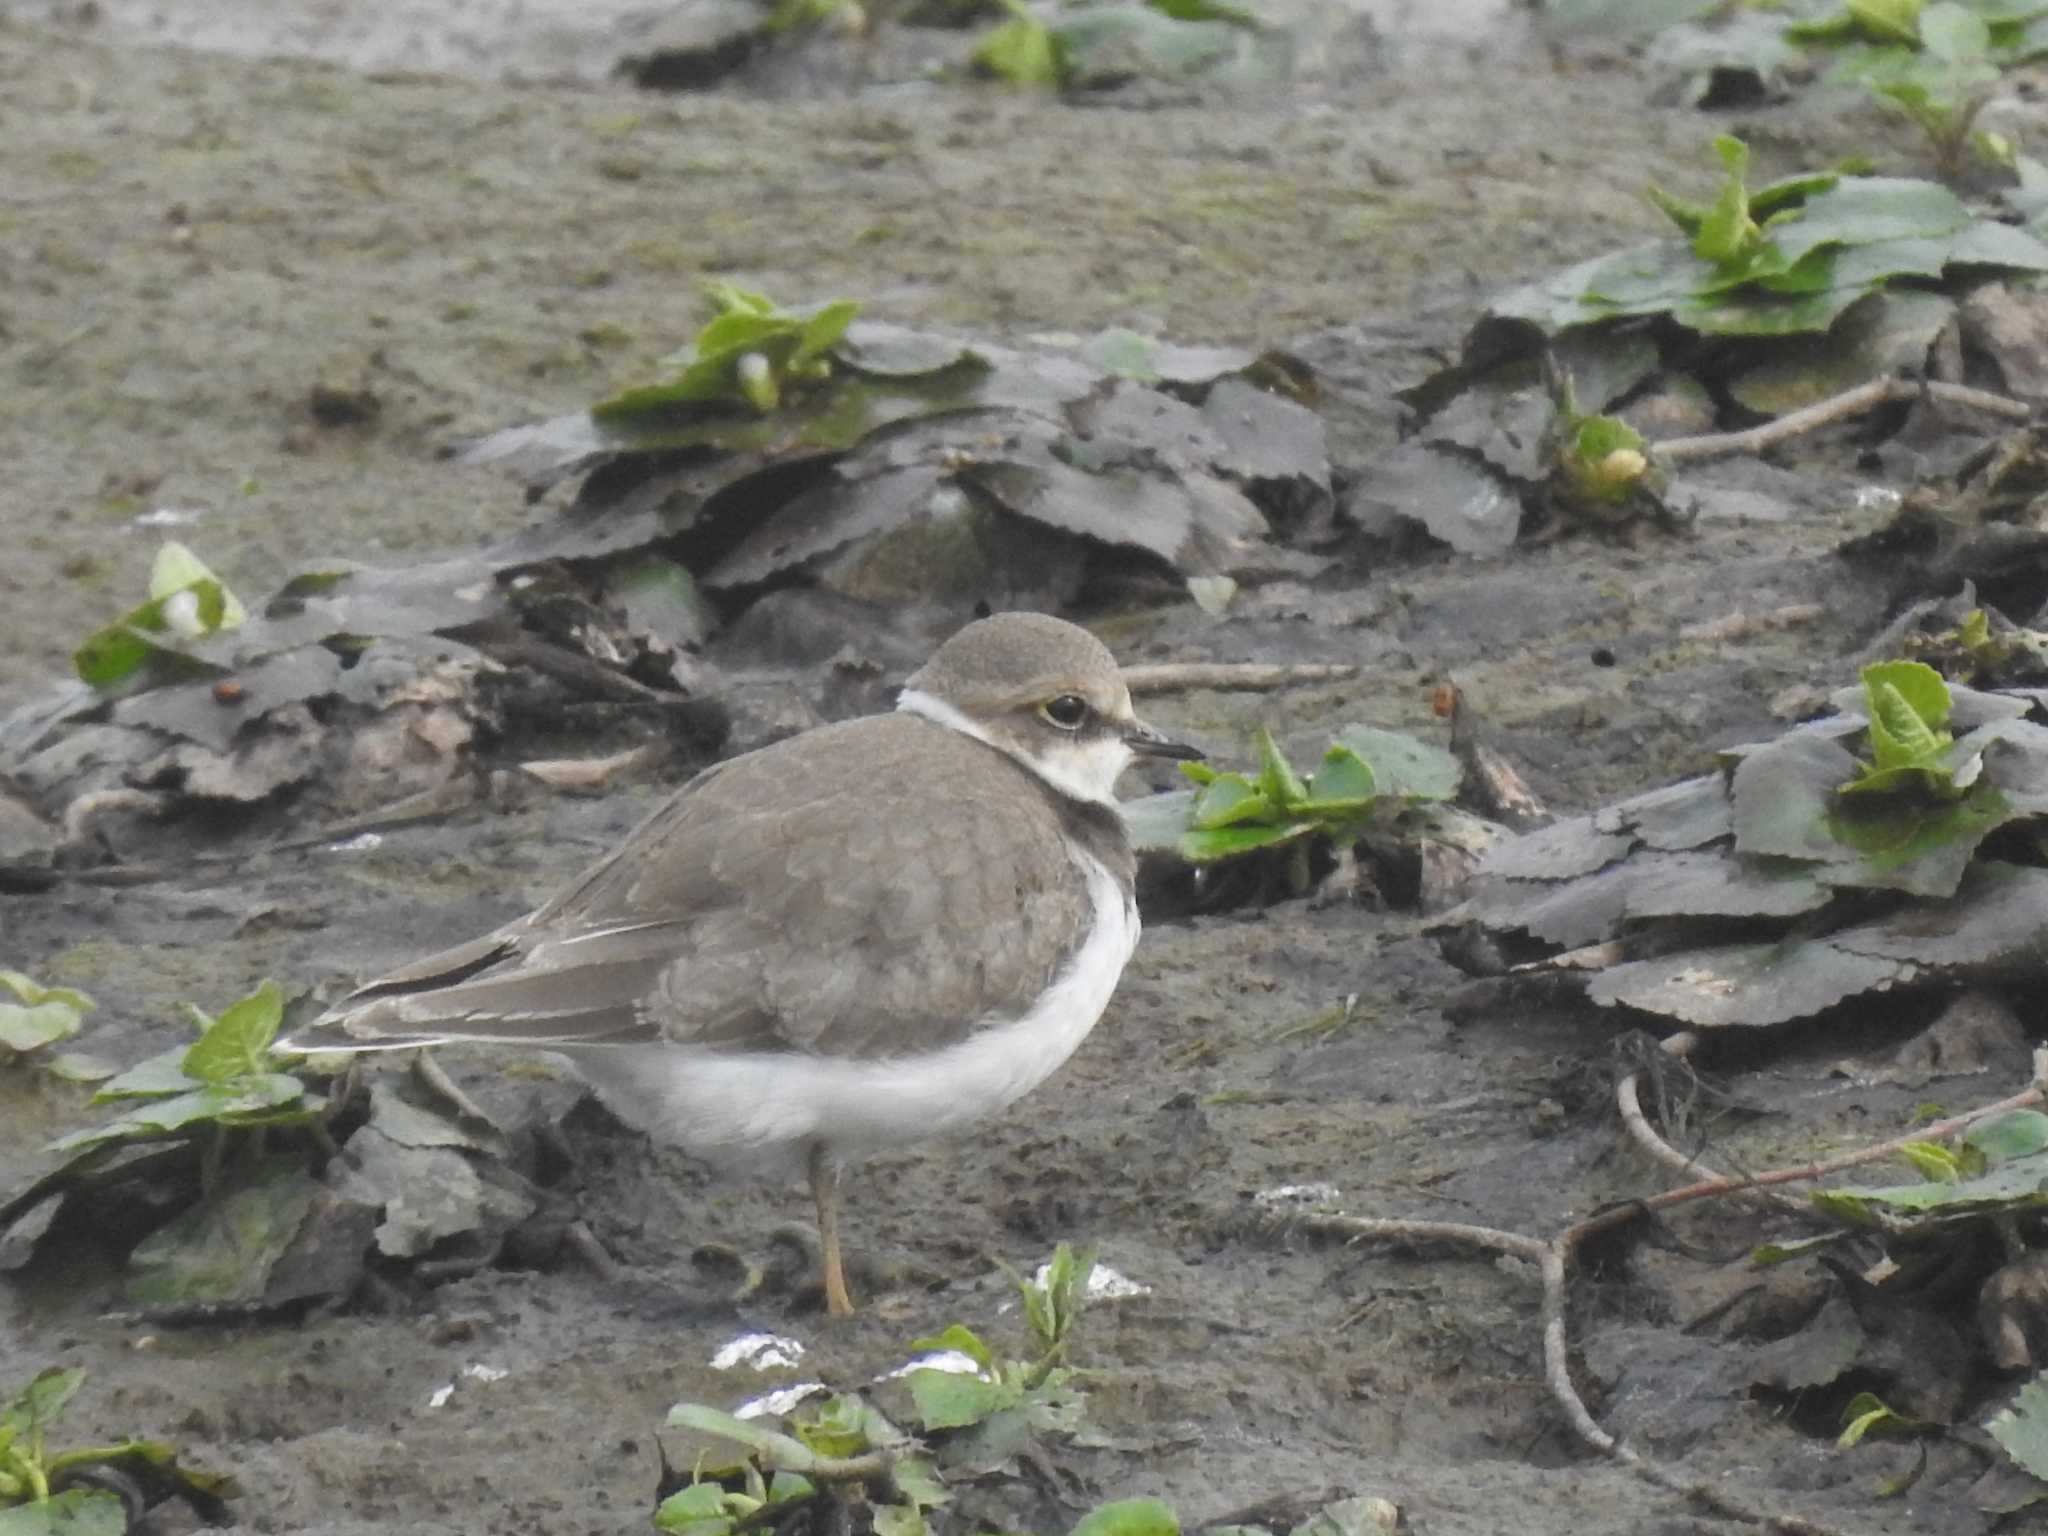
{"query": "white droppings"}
{"type": "Point", "coordinates": [950, 1361]}
{"type": "Point", "coordinates": [485, 1372]}
{"type": "Point", "coordinates": [438, 1398]}
{"type": "Point", "coordinates": [1104, 1283]}
{"type": "Point", "coordinates": [362, 842]}
{"type": "Point", "coordinates": [1876, 498]}
{"type": "Point", "coordinates": [167, 517]}
{"type": "Point", "coordinates": [780, 1401]}
{"type": "Point", "coordinates": [760, 1351]}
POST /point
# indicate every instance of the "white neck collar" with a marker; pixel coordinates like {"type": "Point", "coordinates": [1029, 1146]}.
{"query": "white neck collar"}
{"type": "Point", "coordinates": [1070, 778]}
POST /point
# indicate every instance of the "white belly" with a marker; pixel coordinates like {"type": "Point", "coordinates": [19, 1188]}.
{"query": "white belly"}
{"type": "Point", "coordinates": [734, 1104]}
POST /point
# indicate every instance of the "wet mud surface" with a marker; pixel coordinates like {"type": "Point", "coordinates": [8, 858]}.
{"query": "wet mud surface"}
{"type": "Point", "coordinates": [197, 244]}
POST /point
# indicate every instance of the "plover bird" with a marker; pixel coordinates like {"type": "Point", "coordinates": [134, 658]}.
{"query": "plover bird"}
{"type": "Point", "coordinates": [862, 936]}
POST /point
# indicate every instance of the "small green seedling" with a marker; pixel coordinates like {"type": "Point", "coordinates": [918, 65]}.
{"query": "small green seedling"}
{"type": "Point", "coordinates": [843, 1445]}
{"type": "Point", "coordinates": [749, 356]}
{"type": "Point", "coordinates": [1036, 1395]}
{"type": "Point", "coordinates": [1909, 704]}
{"type": "Point", "coordinates": [99, 1490]}
{"type": "Point", "coordinates": [1366, 778]}
{"type": "Point", "coordinates": [187, 603]}
{"type": "Point", "coordinates": [840, 1443]}
{"type": "Point", "coordinates": [1601, 464]}
{"type": "Point", "coordinates": [225, 1082]}
{"type": "Point", "coordinates": [1053, 46]}
{"type": "Point", "coordinates": [37, 1019]}
{"type": "Point", "coordinates": [1938, 64]}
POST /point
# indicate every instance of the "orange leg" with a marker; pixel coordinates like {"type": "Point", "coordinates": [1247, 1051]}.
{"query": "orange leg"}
{"type": "Point", "coordinates": [825, 1190]}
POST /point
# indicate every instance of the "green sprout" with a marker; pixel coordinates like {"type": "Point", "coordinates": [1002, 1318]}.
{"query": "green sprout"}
{"type": "Point", "coordinates": [187, 603]}
{"type": "Point", "coordinates": [1367, 778]}
{"type": "Point", "coordinates": [1908, 704]}
{"type": "Point", "coordinates": [93, 1490]}
{"type": "Point", "coordinates": [840, 1442]}
{"type": "Point", "coordinates": [844, 1442]}
{"type": "Point", "coordinates": [1937, 64]}
{"type": "Point", "coordinates": [1052, 47]}
{"type": "Point", "coordinates": [750, 355]}
{"type": "Point", "coordinates": [226, 1082]}
{"type": "Point", "coordinates": [37, 1019]}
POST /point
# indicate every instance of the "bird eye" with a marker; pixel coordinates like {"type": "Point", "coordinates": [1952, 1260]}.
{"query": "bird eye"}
{"type": "Point", "coordinates": [1067, 711]}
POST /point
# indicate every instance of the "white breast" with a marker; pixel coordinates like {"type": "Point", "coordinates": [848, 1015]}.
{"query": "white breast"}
{"type": "Point", "coordinates": [739, 1103]}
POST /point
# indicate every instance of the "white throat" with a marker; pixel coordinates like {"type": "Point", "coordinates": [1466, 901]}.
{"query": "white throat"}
{"type": "Point", "coordinates": [1084, 770]}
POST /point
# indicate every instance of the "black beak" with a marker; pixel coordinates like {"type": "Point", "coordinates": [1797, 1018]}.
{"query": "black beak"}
{"type": "Point", "coordinates": [1146, 742]}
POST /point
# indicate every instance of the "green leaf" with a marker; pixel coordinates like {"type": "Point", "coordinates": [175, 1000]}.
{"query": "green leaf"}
{"type": "Point", "coordinates": [743, 356]}
{"type": "Point", "coordinates": [156, 1077]}
{"type": "Point", "coordinates": [1129, 1517]}
{"type": "Point", "coordinates": [1227, 800]}
{"type": "Point", "coordinates": [1954, 34]}
{"type": "Point", "coordinates": [783, 1451]}
{"type": "Point", "coordinates": [245, 1100]}
{"type": "Point", "coordinates": [79, 1067]}
{"type": "Point", "coordinates": [698, 1510]}
{"type": "Point", "coordinates": [961, 1340]}
{"type": "Point", "coordinates": [42, 1402]}
{"type": "Point", "coordinates": [897, 1520]}
{"type": "Point", "coordinates": [2016, 1133]}
{"type": "Point", "coordinates": [1278, 782]}
{"type": "Point", "coordinates": [237, 1044]}
{"type": "Point", "coordinates": [732, 299]}
{"type": "Point", "coordinates": [1765, 1254]}
{"type": "Point", "coordinates": [835, 1427]}
{"type": "Point", "coordinates": [30, 1029]}
{"type": "Point", "coordinates": [918, 1481]}
{"type": "Point", "coordinates": [1888, 21]}
{"type": "Point", "coordinates": [1207, 845]}
{"type": "Point", "coordinates": [1923, 689]}
{"type": "Point", "coordinates": [1727, 234]}
{"type": "Point", "coordinates": [1403, 766]}
{"type": "Point", "coordinates": [1342, 781]}
{"type": "Point", "coordinates": [2022, 1428]}
{"type": "Point", "coordinates": [1867, 1412]}
{"type": "Point", "coordinates": [34, 993]}
{"type": "Point", "coordinates": [1863, 210]}
{"type": "Point", "coordinates": [1931, 1160]}
{"type": "Point", "coordinates": [1022, 51]}
{"type": "Point", "coordinates": [74, 1512]}
{"type": "Point", "coordinates": [186, 602]}
{"type": "Point", "coordinates": [822, 332]}
{"type": "Point", "coordinates": [1208, 10]}
{"type": "Point", "coordinates": [954, 1400]}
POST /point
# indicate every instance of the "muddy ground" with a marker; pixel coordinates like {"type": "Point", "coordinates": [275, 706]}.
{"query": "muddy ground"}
{"type": "Point", "coordinates": [193, 243]}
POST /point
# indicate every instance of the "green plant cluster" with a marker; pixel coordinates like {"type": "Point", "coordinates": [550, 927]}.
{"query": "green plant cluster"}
{"type": "Point", "coordinates": [228, 1079]}
{"type": "Point", "coordinates": [844, 1443]}
{"type": "Point", "coordinates": [1049, 45]}
{"type": "Point", "coordinates": [749, 355]}
{"type": "Point", "coordinates": [34, 1498]}
{"type": "Point", "coordinates": [1935, 62]}
{"type": "Point", "coordinates": [187, 602]}
{"type": "Point", "coordinates": [1783, 259]}
{"type": "Point", "coordinates": [1367, 777]}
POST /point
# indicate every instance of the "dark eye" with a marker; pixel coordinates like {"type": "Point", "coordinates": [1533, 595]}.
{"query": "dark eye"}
{"type": "Point", "coordinates": [1067, 711]}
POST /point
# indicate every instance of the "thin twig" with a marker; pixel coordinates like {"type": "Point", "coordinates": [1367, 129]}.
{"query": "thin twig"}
{"type": "Point", "coordinates": [583, 1243]}
{"type": "Point", "coordinates": [1236, 677]}
{"type": "Point", "coordinates": [1553, 1260]}
{"type": "Point", "coordinates": [1851, 402]}
{"type": "Point", "coordinates": [1724, 1184]}
{"type": "Point", "coordinates": [1628, 1102]}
